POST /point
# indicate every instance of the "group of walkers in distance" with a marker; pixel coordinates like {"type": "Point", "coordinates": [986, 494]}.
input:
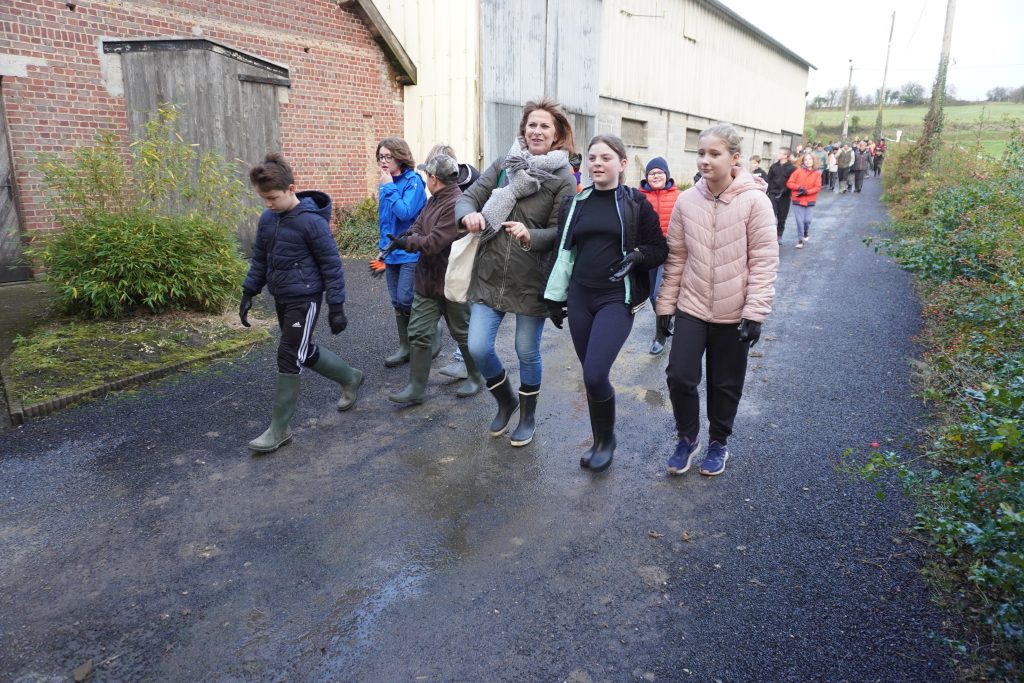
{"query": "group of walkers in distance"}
{"type": "Point", "coordinates": [705, 258]}
{"type": "Point", "coordinates": [797, 180]}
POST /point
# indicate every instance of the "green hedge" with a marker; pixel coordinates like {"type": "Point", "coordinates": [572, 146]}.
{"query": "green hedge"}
{"type": "Point", "coordinates": [959, 226]}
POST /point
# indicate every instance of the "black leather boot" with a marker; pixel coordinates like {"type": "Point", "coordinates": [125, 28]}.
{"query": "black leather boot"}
{"type": "Point", "coordinates": [523, 434]}
{"type": "Point", "coordinates": [508, 405]}
{"type": "Point", "coordinates": [602, 421]}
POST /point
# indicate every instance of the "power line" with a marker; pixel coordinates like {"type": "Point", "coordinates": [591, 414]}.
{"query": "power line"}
{"type": "Point", "coordinates": [914, 32]}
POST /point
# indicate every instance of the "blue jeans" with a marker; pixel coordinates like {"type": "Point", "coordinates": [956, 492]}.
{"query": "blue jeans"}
{"type": "Point", "coordinates": [483, 330]}
{"type": "Point", "coordinates": [400, 285]}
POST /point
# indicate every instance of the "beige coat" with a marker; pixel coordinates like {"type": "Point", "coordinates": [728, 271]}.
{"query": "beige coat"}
{"type": "Point", "coordinates": [723, 254]}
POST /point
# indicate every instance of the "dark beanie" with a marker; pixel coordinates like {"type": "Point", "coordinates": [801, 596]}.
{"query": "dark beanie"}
{"type": "Point", "coordinates": [657, 162]}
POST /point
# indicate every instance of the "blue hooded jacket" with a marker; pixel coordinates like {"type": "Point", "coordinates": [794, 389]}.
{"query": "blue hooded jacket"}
{"type": "Point", "coordinates": [295, 254]}
{"type": "Point", "coordinates": [400, 203]}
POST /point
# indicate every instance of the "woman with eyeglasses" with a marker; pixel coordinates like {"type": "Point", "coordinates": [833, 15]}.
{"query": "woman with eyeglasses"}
{"type": "Point", "coordinates": [402, 195]}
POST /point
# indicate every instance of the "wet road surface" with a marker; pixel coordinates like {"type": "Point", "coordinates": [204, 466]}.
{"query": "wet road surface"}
{"type": "Point", "coordinates": [138, 536]}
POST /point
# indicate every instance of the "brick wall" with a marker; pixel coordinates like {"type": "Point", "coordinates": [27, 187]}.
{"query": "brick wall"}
{"type": "Point", "coordinates": [344, 95]}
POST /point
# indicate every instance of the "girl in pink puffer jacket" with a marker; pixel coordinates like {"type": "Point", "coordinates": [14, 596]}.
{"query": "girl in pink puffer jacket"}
{"type": "Point", "coordinates": [718, 286]}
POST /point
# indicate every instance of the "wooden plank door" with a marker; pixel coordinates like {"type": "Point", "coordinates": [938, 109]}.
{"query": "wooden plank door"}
{"type": "Point", "coordinates": [13, 267]}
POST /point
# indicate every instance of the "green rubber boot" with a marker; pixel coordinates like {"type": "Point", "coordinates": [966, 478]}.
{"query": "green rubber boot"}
{"type": "Point", "coordinates": [474, 381]}
{"type": "Point", "coordinates": [401, 355]}
{"type": "Point", "coordinates": [331, 366]}
{"type": "Point", "coordinates": [286, 393]}
{"type": "Point", "coordinates": [419, 372]}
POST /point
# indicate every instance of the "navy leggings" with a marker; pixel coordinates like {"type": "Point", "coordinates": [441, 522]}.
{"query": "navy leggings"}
{"type": "Point", "coordinates": [599, 323]}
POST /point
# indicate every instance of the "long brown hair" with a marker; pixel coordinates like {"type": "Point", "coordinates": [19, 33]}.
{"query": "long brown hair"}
{"type": "Point", "coordinates": [400, 152]}
{"type": "Point", "coordinates": [563, 129]}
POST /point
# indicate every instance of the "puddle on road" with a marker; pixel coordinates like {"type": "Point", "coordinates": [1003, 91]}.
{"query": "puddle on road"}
{"type": "Point", "coordinates": [354, 632]}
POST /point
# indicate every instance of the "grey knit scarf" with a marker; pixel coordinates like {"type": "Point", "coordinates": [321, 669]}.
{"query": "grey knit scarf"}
{"type": "Point", "coordinates": [525, 173]}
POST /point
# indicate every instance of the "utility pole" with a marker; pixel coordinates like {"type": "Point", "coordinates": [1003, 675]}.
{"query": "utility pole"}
{"type": "Point", "coordinates": [885, 74]}
{"type": "Point", "coordinates": [933, 121]}
{"type": "Point", "coordinates": [846, 117]}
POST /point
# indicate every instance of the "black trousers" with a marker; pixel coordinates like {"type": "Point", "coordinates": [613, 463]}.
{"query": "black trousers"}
{"type": "Point", "coordinates": [296, 348]}
{"type": "Point", "coordinates": [693, 339]}
{"type": "Point", "coordinates": [599, 323]}
{"type": "Point", "coordinates": [858, 179]}
{"type": "Point", "coordinates": [781, 206]}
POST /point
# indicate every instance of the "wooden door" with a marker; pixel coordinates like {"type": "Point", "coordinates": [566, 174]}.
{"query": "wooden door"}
{"type": "Point", "coordinates": [13, 267]}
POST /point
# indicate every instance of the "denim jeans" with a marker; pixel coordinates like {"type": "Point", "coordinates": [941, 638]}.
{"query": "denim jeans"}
{"type": "Point", "coordinates": [483, 330]}
{"type": "Point", "coordinates": [400, 285]}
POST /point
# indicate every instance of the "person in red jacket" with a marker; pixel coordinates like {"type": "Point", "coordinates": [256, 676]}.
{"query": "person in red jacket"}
{"type": "Point", "coordinates": [661, 191]}
{"type": "Point", "coordinates": [805, 184]}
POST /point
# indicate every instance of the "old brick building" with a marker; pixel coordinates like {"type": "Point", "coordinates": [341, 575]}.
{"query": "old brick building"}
{"type": "Point", "coordinates": [321, 79]}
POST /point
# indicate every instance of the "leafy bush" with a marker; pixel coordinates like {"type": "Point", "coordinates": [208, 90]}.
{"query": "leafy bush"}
{"type": "Point", "coordinates": [356, 228]}
{"type": "Point", "coordinates": [960, 228]}
{"type": "Point", "coordinates": [113, 264]}
{"type": "Point", "coordinates": [149, 227]}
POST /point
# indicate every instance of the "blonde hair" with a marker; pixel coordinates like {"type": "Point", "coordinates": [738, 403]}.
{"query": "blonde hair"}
{"type": "Point", "coordinates": [725, 132]}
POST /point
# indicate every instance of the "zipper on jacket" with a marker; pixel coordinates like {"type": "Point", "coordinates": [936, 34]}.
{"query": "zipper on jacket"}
{"type": "Point", "coordinates": [622, 244]}
{"type": "Point", "coordinates": [714, 244]}
{"type": "Point", "coordinates": [504, 271]}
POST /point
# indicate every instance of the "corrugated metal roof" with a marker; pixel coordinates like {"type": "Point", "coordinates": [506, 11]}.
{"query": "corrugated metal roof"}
{"type": "Point", "coordinates": [755, 31]}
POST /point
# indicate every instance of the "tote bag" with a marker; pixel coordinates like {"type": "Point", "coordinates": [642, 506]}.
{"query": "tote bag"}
{"type": "Point", "coordinates": [460, 267]}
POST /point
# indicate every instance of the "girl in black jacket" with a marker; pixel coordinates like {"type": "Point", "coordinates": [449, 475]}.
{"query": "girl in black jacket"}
{"type": "Point", "coordinates": [609, 238]}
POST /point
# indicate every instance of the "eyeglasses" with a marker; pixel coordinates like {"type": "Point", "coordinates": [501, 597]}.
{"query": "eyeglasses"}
{"type": "Point", "coordinates": [385, 157]}
{"type": "Point", "coordinates": [656, 171]}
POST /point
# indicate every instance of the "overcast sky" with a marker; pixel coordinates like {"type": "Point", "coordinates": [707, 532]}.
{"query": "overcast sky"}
{"type": "Point", "coordinates": [987, 47]}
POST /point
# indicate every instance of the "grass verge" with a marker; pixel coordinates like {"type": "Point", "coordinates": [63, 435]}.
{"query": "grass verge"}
{"type": "Point", "coordinates": [958, 225]}
{"type": "Point", "coordinates": [71, 357]}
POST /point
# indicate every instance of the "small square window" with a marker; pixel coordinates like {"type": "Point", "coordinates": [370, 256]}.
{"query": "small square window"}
{"type": "Point", "coordinates": [634, 132]}
{"type": "Point", "coordinates": [766, 149]}
{"type": "Point", "coordinates": [692, 140]}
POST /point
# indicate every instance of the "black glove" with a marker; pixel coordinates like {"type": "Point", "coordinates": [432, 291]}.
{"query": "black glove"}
{"type": "Point", "coordinates": [801, 191]}
{"type": "Point", "coordinates": [665, 325]}
{"type": "Point", "coordinates": [397, 243]}
{"type": "Point", "coordinates": [750, 331]}
{"type": "Point", "coordinates": [243, 308]}
{"type": "Point", "coordinates": [336, 319]}
{"type": "Point", "coordinates": [557, 312]}
{"type": "Point", "coordinates": [629, 261]}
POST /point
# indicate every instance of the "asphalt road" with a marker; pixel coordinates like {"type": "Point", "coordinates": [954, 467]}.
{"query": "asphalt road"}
{"type": "Point", "coordinates": [140, 539]}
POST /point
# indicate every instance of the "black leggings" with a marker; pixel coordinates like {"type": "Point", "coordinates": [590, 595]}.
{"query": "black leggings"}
{"type": "Point", "coordinates": [296, 348]}
{"type": "Point", "coordinates": [727, 368]}
{"type": "Point", "coordinates": [599, 323]}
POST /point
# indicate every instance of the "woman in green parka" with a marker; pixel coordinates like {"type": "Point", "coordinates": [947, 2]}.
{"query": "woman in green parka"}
{"type": "Point", "coordinates": [514, 208]}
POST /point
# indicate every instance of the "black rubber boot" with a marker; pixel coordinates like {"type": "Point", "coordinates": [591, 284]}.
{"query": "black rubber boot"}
{"type": "Point", "coordinates": [419, 372]}
{"type": "Point", "coordinates": [286, 394]}
{"type": "Point", "coordinates": [474, 380]}
{"type": "Point", "coordinates": [331, 366]}
{"type": "Point", "coordinates": [523, 434]}
{"type": "Point", "coordinates": [602, 421]}
{"type": "Point", "coordinates": [401, 355]}
{"type": "Point", "coordinates": [508, 404]}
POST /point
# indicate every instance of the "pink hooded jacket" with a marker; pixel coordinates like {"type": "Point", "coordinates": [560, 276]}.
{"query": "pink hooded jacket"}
{"type": "Point", "coordinates": [723, 254]}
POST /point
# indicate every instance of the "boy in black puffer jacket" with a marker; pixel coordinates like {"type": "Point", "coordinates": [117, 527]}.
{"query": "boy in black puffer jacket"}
{"type": "Point", "coordinates": [296, 256]}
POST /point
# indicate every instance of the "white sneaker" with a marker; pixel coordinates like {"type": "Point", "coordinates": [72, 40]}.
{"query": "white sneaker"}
{"type": "Point", "coordinates": [799, 244]}
{"type": "Point", "coordinates": [806, 239]}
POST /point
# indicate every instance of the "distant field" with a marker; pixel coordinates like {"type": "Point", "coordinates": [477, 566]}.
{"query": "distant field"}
{"type": "Point", "coordinates": [965, 123]}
